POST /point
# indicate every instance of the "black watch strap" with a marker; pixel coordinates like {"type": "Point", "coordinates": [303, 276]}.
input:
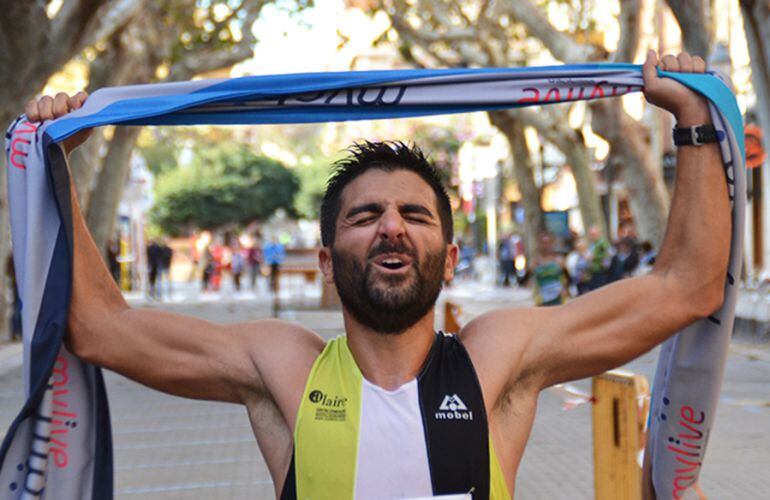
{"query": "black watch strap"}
{"type": "Point", "coordinates": [696, 135]}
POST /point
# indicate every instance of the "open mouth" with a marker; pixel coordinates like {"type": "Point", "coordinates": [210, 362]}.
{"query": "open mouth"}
{"type": "Point", "coordinates": [393, 262]}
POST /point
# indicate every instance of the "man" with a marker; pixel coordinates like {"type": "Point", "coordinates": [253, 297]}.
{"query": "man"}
{"type": "Point", "coordinates": [394, 410]}
{"type": "Point", "coordinates": [550, 276]}
{"type": "Point", "coordinates": [601, 256]}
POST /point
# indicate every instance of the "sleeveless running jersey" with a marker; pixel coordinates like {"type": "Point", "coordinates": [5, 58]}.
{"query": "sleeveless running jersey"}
{"type": "Point", "coordinates": [427, 438]}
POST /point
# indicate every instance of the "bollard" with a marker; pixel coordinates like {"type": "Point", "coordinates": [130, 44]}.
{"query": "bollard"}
{"type": "Point", "coordinates": [452, 317]}
{"type": "Point", "coordinates": [619, 418]}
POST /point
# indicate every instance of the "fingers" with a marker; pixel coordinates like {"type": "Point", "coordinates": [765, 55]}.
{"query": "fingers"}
{"type": "Point", "coordinates": [45, 107]}
{"type": "Point", "coordinates": [685, 62]}
{"type": "Point", "coordinates": [698, 65]}
{"type": "Point", "coordinates": [649, 70]}
{"type": "Point", "coordinates": [669, 63]}
{"type": "Point", "coordinates": [60, 104]}
{"type": "Point", "coordinates": [77, 100]}
{"type": "Point", "coordinates": [49, 108]}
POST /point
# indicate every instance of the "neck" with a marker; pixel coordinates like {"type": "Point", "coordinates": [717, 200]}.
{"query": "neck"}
{"type": "Point", "coordinates": [390, 360]}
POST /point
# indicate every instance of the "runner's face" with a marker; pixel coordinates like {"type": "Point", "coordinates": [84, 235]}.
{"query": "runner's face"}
{"type": "Point", "coordinates": [389, 256]}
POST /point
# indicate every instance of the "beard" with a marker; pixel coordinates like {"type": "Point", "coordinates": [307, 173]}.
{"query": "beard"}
{"type": "Point", "coordinates": [388, 304]}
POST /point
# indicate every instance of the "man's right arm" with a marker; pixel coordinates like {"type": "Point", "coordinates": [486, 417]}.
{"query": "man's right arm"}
{"type": "Point", "coordinates": [177, 354]}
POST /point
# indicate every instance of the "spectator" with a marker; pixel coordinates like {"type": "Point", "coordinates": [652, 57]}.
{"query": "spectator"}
{"type": "Point", "coordinates": [275, 253]}
{"type": "Point", "coordinates": [625, 261]}
{"type": "Point", "coordinates": [237, 264]}
{"type": "Point", "coordinates": [208, 269]}
{"type": "Point", "coordinates": [505, 253]}
{"type": "Point", "coordinates": [550, 275]}
{"type": "Point", "coordinates": [254, 259]}
{"type": "Point", "coordinates": [578, 266]}
{"type": "Point", "coordinates": [154, 259]}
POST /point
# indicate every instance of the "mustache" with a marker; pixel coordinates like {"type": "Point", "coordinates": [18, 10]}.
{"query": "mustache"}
{"type": "Point", "coordinates": [390, 247]}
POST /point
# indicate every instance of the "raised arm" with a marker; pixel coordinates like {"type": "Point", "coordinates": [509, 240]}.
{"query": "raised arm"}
{"type": "Point", "coordinates": [611, 326]}
{"type": "Point", "coordinates": [177, 354]}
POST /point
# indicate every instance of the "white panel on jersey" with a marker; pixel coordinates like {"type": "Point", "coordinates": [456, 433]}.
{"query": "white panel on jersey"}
{"type": "Point", "coordinates": [392, 454]}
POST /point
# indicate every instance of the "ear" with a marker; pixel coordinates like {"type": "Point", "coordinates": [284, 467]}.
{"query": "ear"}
{"type": "Point", "coordinates": [325, 264]}
{"type": "Point", "coordinates": [452, 255]}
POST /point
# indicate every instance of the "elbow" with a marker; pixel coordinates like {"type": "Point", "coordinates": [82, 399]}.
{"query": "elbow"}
{"type": "Point", "coordinates": [707, 301]}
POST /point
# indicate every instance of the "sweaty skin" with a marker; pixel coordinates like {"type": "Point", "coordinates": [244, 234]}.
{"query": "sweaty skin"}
{"type": "Point", "coordinates": [516, 352]}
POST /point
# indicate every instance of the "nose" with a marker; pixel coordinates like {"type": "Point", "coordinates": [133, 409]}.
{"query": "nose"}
{"type": "Point", "coordinates": [392, 225]}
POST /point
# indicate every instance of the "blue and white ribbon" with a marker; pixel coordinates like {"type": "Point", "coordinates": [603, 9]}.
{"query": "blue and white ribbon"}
{"type": "Point", "coordinates": [59, 446]}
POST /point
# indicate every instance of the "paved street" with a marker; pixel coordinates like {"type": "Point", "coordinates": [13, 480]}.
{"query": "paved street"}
{"type": "Point", "coordinates": [171, 448]}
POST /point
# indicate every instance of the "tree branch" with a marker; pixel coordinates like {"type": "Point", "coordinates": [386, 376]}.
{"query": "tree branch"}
{"type": "Point", "coordinates": [109, 20]}
{"type": "Point", "coordinates": [629, 21]}
{"type": "Point", "coordinates": [204, 61]}
{"type": "Point", "coordinates": [696, 32]}
{"type": "Point", "coordinates": [563, 46]}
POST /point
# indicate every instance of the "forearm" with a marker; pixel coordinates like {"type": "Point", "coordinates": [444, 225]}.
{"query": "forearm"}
{"type": "Point", "coordinates": [94, 292]}
{"type": "Point", "coordinates": [696, 246]}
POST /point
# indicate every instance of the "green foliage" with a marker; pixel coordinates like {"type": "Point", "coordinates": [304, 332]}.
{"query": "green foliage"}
{"type": "Point", "coordinates": [161, 153]}
{"type": "Point", "coordinates": [224, 184]}
{"type": "Point", "coordinates": [312, 179]}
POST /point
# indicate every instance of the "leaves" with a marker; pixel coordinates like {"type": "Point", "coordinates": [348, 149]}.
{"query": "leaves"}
{"type": "Point", "coordinates": [224, 184]}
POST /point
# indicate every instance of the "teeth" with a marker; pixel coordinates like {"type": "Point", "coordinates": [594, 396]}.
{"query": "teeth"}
{"type": "Point", "coordinates": [391, 261]}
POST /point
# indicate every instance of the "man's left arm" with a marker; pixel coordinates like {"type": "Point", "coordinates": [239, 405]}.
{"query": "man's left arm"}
{"type": "Point", "coordinates": [610, 326]}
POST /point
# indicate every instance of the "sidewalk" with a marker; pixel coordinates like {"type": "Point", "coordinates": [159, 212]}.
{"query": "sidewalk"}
{"type": "Point", "coordinates": [10, 356]}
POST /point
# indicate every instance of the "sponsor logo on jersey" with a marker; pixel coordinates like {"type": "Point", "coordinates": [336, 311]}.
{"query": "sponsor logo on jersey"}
{"type": "Point", "coordinates": [328, 407]}
{"type": "Point", "coordinates": [453, 408]}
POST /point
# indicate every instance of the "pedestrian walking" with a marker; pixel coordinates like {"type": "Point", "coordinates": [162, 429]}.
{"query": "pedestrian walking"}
{"type": "Point", "coordinates": [154, 264]}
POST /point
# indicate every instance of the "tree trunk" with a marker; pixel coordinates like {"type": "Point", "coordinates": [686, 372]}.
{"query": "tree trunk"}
{"type": "Point", "coordinates": [641, 171]}
{"type": "Point", "coordinates": [109, 188]}
{"type": "Point", "coordinates": [5, 240]}
{"type": "Point", "coordinates": [585, 182]}
{"type": "Point", "coordinates": [756, 21]}
{"type": "Point", "coordinates": [694, 23]}
{"type": "Point", "coordinates": [556, 130]}
{"type": "Point", "coordinates": [523, 172]}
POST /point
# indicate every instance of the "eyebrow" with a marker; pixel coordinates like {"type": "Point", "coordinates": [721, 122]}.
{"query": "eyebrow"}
{"type": "Point", "coordinates": [367, 207]}
{"type": "Point", "coordinates": [412, 208]}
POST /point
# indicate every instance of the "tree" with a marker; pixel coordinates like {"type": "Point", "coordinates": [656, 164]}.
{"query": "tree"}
{"type": "Point", "coordinates": [756, 22]}
{"type": "Point", "coordinates": [507, 34]}
{"type": "Point", "coordinates": [36, 40]}
{"type": "Point", "coordinates": [224, 185]}
{"type": "Point", "coordinates": [453, 35]}
{"type": "Point", "coordinates": [164, 43]}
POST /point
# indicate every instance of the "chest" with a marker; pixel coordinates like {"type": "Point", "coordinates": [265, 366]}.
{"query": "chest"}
{"type": "Point", "coordinates": [356, 440]}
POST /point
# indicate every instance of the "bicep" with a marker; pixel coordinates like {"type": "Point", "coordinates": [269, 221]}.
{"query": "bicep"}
{"type": "Point", "coordinates": [180, 355]}
{"type": "Point", "coordinates": [606, 328]}
{"type": "Point", "coordinates": [543, 346]}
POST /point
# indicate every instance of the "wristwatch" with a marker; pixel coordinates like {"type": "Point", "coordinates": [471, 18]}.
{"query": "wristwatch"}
{"type": "Point", "coordinates": [696, 135]}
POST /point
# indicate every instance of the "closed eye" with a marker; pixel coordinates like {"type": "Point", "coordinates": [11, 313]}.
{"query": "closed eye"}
{"type": "Point", "coordinates": [365, 220]}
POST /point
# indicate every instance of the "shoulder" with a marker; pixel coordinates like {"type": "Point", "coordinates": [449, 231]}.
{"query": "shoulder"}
{"type": "Point", "coordinates": [497, 342]}
{"type": "Point", "coordinates": [273, 336]}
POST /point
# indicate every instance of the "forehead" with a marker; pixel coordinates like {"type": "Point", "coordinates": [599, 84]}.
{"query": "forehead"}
{"type": "Point", "coordinates": [382, 186]}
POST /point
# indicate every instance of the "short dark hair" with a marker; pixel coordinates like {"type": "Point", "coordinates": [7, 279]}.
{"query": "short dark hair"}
{"type": "Point", "coordinates": [388, 156]}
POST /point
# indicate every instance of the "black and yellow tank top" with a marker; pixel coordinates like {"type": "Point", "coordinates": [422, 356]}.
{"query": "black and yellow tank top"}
{"type": "Point", "coordinates": [427, 438]}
